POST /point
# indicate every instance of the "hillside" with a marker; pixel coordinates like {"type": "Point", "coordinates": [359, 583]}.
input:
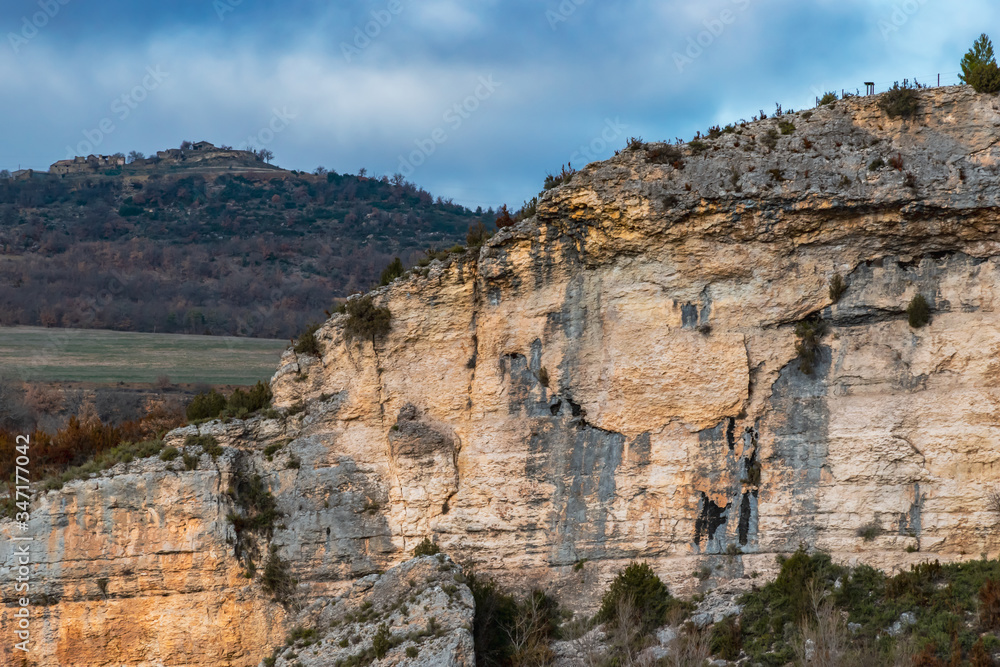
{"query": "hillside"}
{"type": "Point", "coordinates": [203, 241]}
{"type": "Point", "coordinates": [700, 356]}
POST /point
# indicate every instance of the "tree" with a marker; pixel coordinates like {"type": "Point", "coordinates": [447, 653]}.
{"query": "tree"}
{"type": "Point", "coordinates": [979, 67]}
{"type": "Point", "coordinates": [185, 145]}
{"type": "Point", "coordinates": [320, 171]}
{"type": "Point", "coordinates": [362, 172]}
{"type": "Point", "coordinates": [4, 174]}
{"type": "Point", "coordinates": [135, 155]}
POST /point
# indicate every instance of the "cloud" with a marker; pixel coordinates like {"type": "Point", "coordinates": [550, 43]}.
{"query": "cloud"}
{"type": "Point", "coordinates": [561, 84]}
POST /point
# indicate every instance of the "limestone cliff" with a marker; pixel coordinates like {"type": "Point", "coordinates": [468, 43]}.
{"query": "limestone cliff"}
{"type": "Point", "coordinates": [615, 378]}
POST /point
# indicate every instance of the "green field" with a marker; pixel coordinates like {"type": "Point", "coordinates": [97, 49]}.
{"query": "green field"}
{"type": "Point", "coordinates": [83, 355]}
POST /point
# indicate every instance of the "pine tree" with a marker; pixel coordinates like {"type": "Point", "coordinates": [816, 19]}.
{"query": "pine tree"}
{"type": "Point", "coordinates": [979, 67]}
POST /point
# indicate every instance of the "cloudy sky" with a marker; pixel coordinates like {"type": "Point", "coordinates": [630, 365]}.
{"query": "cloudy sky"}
{"type": "Point", "coordinates": [473, 100]}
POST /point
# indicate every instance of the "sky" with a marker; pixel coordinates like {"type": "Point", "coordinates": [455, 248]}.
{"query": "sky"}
{"type": "Point", "coordinates": [475, 101]}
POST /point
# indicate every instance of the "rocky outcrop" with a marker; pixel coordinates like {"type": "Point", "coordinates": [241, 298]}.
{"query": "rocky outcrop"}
{"type": "Point", "coordinates": [617, 378]}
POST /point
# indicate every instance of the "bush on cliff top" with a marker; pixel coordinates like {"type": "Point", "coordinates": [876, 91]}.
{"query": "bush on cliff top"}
{"type": "Point", "coordinates": [899, 101]}
{"type": "Point", "coordinates": [307, 343]}
{"type": "Point", "coordinates": [240, 403]}
{"type": "Point", "coordinates": [365, 320]}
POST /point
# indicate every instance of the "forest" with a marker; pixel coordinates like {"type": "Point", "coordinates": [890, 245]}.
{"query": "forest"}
{"type": "Point", "coordinates": [249, 255]}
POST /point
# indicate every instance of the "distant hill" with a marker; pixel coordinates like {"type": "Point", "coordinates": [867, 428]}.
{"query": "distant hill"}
{"type": "Point", "coordinates": [203, 240]}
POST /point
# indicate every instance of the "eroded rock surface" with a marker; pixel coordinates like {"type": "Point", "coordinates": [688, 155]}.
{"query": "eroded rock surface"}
{"type": "Point", "coordinates": [614, 379]}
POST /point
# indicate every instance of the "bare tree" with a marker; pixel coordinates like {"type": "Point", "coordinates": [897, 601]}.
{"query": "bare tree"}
{"type": "Point", "coordinates": [135, 155]}
{"type": "Point", "coordinates": [823, 643]}
{"type": "Point", "coordinates": [320, 171]}
{"type": "Point", "coordinates": [265, 155]}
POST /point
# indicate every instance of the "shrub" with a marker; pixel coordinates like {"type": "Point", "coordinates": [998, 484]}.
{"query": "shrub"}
{"type": "Point", "coordinates": [564, 176]}
{"type": "Point", "coordinates": [993, 502]}
{"type": "Point", "coordinates": [726, 638]}
{"type": "Point", "coordinates": [979, 67]}
{"type": "Point", "coordinates": [635, 144]}
{"type": "Point", "coordinates": [381, 643]}
{"type": "Point", "coordinates": [899, 101]}
{"type": "Point", "coordinates": [837, 287]}
{"type": "Point", "coordinates": [870, 531]}
{"type": "Point", "coordinates": [786, 126]}
{"type": "Point", "coordinates": [206, 406]}
{"type": "Point", "coordinates": [828, 98]}
{"type": "Point", "coordinates": [496, 612]}
{"type": "Point", "coordinates": [169, 454]}
{"type": "Point", "coordinates": [989, 605]}
{"type": "Point", "coordinates": [918, 312]}
{"type": "Point", "coordinates": [876, 164]}
{"type": "Point", "coordinates": [776, 175]}
{"type": "Point", "coordinates": [365, 320]}
{"type": "Point", "coordinates": [769, 139]}
{"type": "Point", "coordinates": [208, 444]}
{"type": "Point", "coordinates": [307, 343]}
{"type": "Point", "coordinates": [650, 596]}
{"type": "Point", "coordinates": [190, 461]}
{"type": "Point", "coordinates": [258, 398]}
{"type": "Point", "coordinates": [276, 580]}
{"type": "Point", "coordinates": [412, 651]}
{"type": "Point", "coordinates": [664, 154]}
{"type": "Point", "coordinates": [503, 218]}
{"type": "Point", "coordinates": [809, 332]}
{"type": "Point", "coordinates": [897, 162]}
{"type": "Point", "coordinates": [477, 235]}
{"type": "Point", "coordinates": [697, 146]}
{"type": "Point", "coordinates": [391, 272]}
{"type": "Point", "coordinates": [425, 548]}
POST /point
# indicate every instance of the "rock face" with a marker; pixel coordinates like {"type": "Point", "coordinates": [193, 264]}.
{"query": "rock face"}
{"type": "Point", "coordinates": [614, 379]}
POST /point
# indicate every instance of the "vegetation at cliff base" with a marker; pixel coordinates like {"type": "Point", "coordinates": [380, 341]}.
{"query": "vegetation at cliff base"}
{"type": "Point", "coordinates": [932, 614]}
{"type": "Point", "coordinates": [979, 67]}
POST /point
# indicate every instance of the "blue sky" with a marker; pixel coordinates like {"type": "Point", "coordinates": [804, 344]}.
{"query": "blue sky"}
{"type": "Point", "coordinates": [473, 100]}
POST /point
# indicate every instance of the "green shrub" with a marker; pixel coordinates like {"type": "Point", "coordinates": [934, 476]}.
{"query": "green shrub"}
{"type": "Point", "coordinates": [876, 164]}
{"type": "Point", "coordinates": [307, 343]}
{"type": "Point", "coordinates": [979, 67]}
{"type": "Point", "coordinates": [258, 398]}
{"type": "Point", "coordinates": [809, 332]}
{"type": "Point", "coordinates": [276, 580]}
{"type": "Point", "coordinates": [366, 321]}
{"type": "Point", "coordinates": [870, 531]}
{"type": "Point", "coordinates": [697, 146]}
{"type": "Point", "coordinates": [786, 126]}
{"type": "Point", "coordinates": [208, 444]}
{"type": "Point", "coordinates": [190, 461]}
{"type": "Point", "coordinates": [650, 596]}
{"type": "Point", "coordinates": [169, 454]}
{"type": "Point", "coordinates": [425, 548]}
{"type": "Point", "coordinates": [391, 272]}
{"type": "Point", "coordinates": [837, 287]}
{"type": "Point", "coordinates": [726, 639]}
{"type": "Point", "coordinates": [206, 406]}
{"type": "Point", "coordinates": [828, 98]}
{"type": "Point", "coordinates": [412, 652]}
{"type": "Point", "coordinates": [769, 139]}
{"type": "Point", "coordinates": [918, 312]}
{"type": "Point", "coordinates": [381, 643]}
{"type": "Point", "coordinates": [899, 101]}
